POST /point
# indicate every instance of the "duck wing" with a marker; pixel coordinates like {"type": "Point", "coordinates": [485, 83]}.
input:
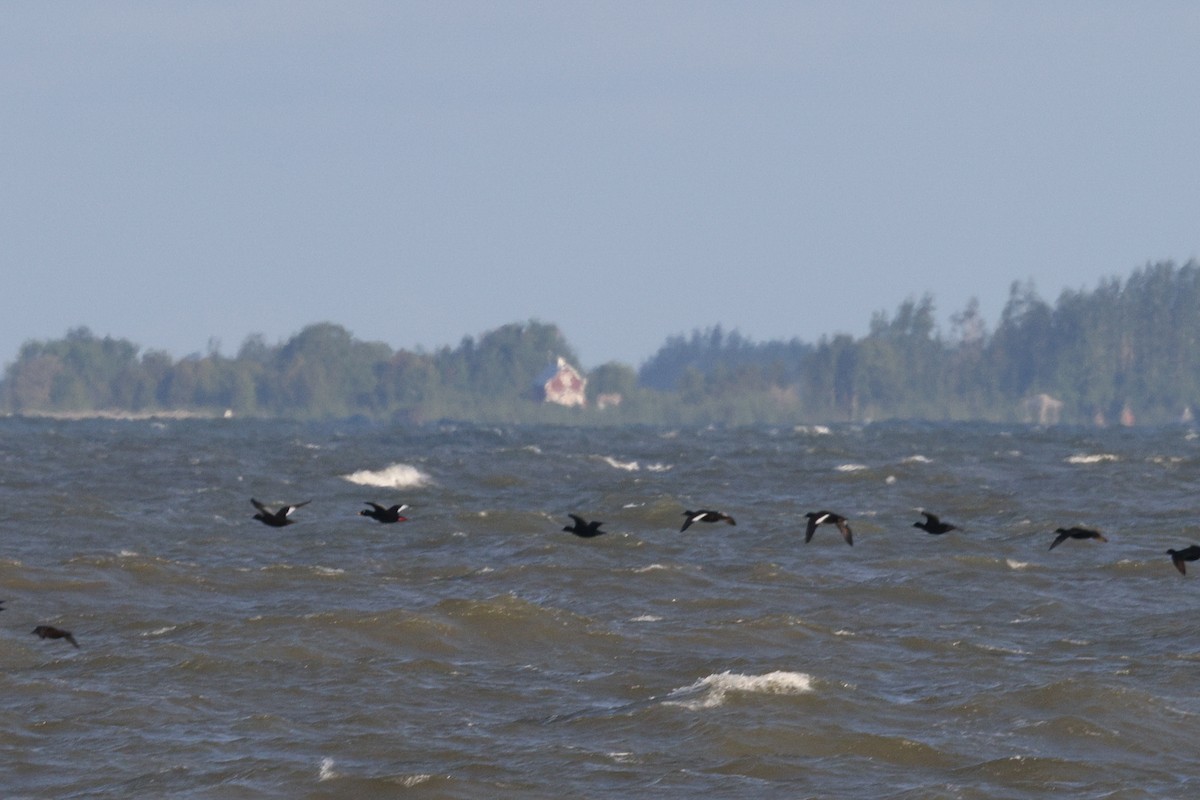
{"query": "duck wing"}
{"type": "Point", "coordinates": [811, 529]}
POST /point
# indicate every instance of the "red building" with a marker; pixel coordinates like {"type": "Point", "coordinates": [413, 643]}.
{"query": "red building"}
{"type": "Point", "coordinates": [562, 384]}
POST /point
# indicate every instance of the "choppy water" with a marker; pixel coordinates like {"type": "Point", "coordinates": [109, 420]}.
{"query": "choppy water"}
{"type": "Point", "coordinates": [477, 651]}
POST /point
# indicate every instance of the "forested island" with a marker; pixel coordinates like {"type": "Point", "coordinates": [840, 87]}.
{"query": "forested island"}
{"type": "Point", "coordinates": [1128, 351]}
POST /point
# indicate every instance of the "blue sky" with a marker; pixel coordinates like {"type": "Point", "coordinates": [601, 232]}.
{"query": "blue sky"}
{"type": "Point", "coordinates": [175, 173]}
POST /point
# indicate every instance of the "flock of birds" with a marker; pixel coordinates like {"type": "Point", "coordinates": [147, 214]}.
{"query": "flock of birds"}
{"type": "Point", "coordinates": [931, 524]}
{"type": "Point", "coordinates": [587, 529]}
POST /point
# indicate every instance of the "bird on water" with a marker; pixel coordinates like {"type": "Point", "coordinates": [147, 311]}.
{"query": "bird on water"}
{"type": "Point", "coordinates": [582, 528]}
{"type": "Point", "coordinates": [51, 632]}
{"type": "Point", "coordinates": [1075, 533]}
{"type": "Point", "coordinates": [378, 512]}
{"type": "Point", "coordinates": [816, 518]}
{"type": "Point", "coordinates": [276, 519]}
{"type": "Point", "coordinates": [934, 525]}
{"type": "Point", "coordinates": [1178, 557]}
{"type": "Point", "coordinates": [704, 515]}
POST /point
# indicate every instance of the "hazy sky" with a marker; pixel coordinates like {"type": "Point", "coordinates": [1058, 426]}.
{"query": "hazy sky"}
{"type": "Point", "coordinates": [173, 172]}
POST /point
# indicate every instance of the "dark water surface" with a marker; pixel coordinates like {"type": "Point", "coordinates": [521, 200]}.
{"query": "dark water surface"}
{"type": "Point", "coordinates": [477, 651]}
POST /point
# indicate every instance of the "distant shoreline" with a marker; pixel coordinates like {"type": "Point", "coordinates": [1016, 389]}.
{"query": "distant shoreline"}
{"type": "Point", "coordinates": [116, 414]}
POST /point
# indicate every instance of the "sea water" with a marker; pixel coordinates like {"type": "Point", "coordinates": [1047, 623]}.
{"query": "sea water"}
{"type": "Point", "coordinates": [478, 651]}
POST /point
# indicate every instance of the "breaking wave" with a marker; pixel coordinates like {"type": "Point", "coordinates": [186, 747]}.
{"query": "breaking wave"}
{"type": "Point", "coordinates": [396, 476]}
{"type": "Point", "coordinates": [633, 466]}
{"type": "Point", "coordinates": [1092, 458]}
{"type": "Point", "coordinates": [711, 691]}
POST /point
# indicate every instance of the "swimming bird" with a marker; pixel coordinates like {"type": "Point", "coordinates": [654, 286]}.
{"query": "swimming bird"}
{"type": "Point", "coordinates": [934, 525]}
{"type": "Point", "coordinates": [1178, 557]}
{"type": "Point", "coordinates": [1075, 533]}
{"type": "Point", "coordinates": [50, 632]}
{"type": "Point", "coordinates": [382, 514]}
{"type": "Point", "coordinates": [816, 518]}
{"type": "Point", "coordinates": [703, 515]}
{"type": "Point", "coordinates": [583, 528]}
{"type": "Point", "coordinates": [276, 519]}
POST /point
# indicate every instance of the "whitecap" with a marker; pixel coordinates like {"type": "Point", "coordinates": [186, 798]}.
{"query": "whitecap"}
{"type": "Point", "coordinates": [651, 568]}
{"type": "Point", "coordinates": [1014, 564]}
{"type": "Point", "coordinates": [1092, 458]}
{"type": "Point", "coordinates": [995, 648]}
{"type": "Point", "coordinates": [326, 772]}
{"type": "Point", "coordinates": [161, 631]}
{"type": "Point", "coordinates": [713, 689]}
{"type": "Point", "coordinates": [850, 467]}
{"type": "Point", "coordinates": [647, 618]}
{"type": "Point", "coordinates": [917, 459]}
{"type": "Point", "coordinates": [812, 430]}
{"type": "Point", "coordinates": [659, 467]}
{"type": "Point", "coordinates": [410, 781]}
{"type": "Point", "coordinates": [628, 466]}
{"type": "Point", "coordinates": [395, 476]}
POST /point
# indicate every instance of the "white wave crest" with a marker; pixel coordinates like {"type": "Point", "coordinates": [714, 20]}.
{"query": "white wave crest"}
{"type": "Point", "coordinates": [1092, 458]}
{"type": "Point", "coordinates": [628, 466]}
{"type": "Point", "coordinates": [1014, 564]}
{"type": "Point", "coordinates": [326, 772]}
{"type": "Point", "coordinates": [917, 459]}
{"type": "Point", "coordinates": [851, 467]}
{"type": "Point", "coordinates": [396, 476]}
{"type": "Point", "coordinates": [634, 466]}
{"type": "Point", "coordinates": [713, 689]}
{"type": "Point", "coordinates": [812, 430]}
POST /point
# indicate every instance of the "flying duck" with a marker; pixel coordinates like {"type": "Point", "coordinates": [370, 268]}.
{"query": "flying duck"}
{"type": "Point", "coordinates": [816, 518]}
{"type": "Point", "coordinates": [934, 525]}
{"type": "Point", "coordinates": [583, 528]}
{"type": "Point", "coordinates": [382, 514]}
{"type": "Point", "coordinates": [50, 632]}
{"type": "Point", "coordinates": [1075, 533]}
{"type": "Point", "coordinates": [1178, 557]}
{"type": "Point", "coordinates": [703, 515]}
{"type": "Point", "coordinates": [276, 519]}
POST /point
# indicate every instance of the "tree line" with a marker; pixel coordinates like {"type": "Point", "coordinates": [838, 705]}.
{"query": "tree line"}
{"type": "Point", "coordinates": [1129, 348]}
